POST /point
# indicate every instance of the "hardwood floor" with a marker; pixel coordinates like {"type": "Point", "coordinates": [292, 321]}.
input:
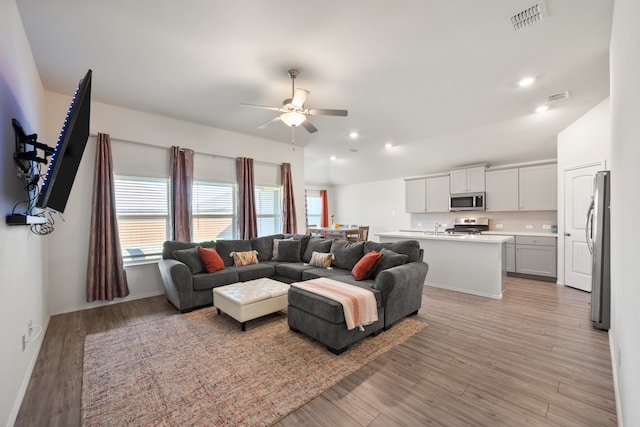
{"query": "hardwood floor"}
{"type": "Point", "coordinates": [531, 358]}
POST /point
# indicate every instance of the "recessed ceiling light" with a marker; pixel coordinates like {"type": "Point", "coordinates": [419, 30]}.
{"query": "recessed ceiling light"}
{"type": "Point", "coordinates": [332, 157]}
{"type": "Point", "coordinates": [542, 109]}
{"type": "Point", "coordinates": [353, 135]}
{"type": "Point", "coordinates": [388, 145]}
{"type": "Point", "coordinates": [526, 81]}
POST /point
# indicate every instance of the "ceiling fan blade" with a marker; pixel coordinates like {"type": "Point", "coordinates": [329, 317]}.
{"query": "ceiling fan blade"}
{"type": "Point", "coordinates": [299, 97]}
{"type": "Point", "coordinates": [264, 107]}
{"type": "Point", "coordinates": [309, 126]}
{"type": "Point", "coordinates": [327, 112]}
{"type": "Point", "coordinates": [265, 124]}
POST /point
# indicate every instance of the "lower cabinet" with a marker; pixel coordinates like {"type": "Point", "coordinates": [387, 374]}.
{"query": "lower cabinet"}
{"type": "Point", "coordinates": [510, 257]}
{"type": "Point", "coordinates": [535, 256]}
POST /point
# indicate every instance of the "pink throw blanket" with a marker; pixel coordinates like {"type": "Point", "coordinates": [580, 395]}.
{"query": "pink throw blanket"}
{"type": "Point", "coordinates": [360, 308]}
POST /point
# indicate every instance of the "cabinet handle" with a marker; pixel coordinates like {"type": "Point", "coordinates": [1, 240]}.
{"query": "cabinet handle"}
{"type": "Point", "coordinates": [567, 234]}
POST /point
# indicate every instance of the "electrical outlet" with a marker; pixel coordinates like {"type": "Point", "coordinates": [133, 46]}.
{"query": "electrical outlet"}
{"type": "Point", "coordinates": [546, 227]}
{"type": "Point", "coordinates": [419, 224]}
{"type": "Point", "coordinates": [499, 226]}
{"type": "Point", "coordinates": [529, 226]}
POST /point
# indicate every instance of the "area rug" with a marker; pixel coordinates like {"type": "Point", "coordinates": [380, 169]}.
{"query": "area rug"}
{"type": "Point", "coordinates": [200, 369]}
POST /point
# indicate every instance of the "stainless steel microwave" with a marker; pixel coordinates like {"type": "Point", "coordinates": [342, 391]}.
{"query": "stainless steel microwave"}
{"type": "Point", "coordinates": [467, 202]}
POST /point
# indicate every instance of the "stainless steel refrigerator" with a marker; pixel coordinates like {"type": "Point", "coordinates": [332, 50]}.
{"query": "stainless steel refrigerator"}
{"type": "Point", "coordinates": [598, 240]}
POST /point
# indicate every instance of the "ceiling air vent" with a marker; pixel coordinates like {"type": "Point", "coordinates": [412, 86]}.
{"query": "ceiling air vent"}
{"type": "Point", "coordinates": [560, 96]}
{"type": "Point", "coordinates": [529, 16]}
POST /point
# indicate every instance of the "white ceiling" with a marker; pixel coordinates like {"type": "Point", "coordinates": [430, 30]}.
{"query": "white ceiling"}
{"type": "Point", "coordinates": [436, 78]}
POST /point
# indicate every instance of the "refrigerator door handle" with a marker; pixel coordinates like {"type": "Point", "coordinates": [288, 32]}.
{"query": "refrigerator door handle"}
{"type": "Point", "coordinates": [588, 229]}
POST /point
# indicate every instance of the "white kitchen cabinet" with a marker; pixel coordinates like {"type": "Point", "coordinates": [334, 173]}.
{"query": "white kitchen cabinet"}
{"type": "Point", "coordinates": [467, 180]}
{"type": "Point", "coordinates": [538, 188]}
{"type": "Point", "coordinates": [502, 190]}
{"type": "Point", "coordinates": [415, 195]}
{"type": "Point", "coordinates": [536, 256]}
{"type": "Point", "coordinates": [438, 194]}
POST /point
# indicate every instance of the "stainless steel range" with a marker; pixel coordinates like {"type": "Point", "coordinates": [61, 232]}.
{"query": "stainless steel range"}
{"type": "Point", "coordinates": [468, 225]}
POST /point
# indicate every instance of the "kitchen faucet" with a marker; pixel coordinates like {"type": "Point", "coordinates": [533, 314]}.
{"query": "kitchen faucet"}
{"type": "Point", "coordinates": [435, 228]}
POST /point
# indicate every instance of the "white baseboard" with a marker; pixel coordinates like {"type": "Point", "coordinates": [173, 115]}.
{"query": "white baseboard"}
{"type": "Point", "coordinates": [616, 384]}
{"type": "Point", "coordinates": [464, 291]}
{"type": "Point", "coordinates": [27, 376]}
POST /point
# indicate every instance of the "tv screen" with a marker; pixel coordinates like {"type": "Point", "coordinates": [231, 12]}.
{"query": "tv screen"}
{"type": "Point", "coordinates": [67, 154]}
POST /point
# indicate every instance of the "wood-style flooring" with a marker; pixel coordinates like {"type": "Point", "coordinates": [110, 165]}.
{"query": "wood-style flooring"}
{"type": "Point", "coordinates": [531, 358]}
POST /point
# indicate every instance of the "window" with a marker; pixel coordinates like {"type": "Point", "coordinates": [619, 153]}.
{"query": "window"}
{"type": "Point", "coordinates": [268, 210]}
{"type": "Point", "coordinates": [314, 210]}
{"type": "Point", "coordinates": [143, 216]}
{"type": "Point", "coordinates": [214, 211]}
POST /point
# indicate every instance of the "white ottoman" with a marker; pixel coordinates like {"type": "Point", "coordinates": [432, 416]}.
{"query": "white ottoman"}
{"type": "Point", "coordinates": [246, 301]}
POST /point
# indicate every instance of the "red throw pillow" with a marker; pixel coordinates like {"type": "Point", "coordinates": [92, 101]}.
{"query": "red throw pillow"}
{"type": "Point", "coordinates": [211, 259]}
{"type": "Point", "coordinates": [363, 268]}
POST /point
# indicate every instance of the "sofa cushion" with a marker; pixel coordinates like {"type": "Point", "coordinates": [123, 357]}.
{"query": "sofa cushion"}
{"type": "Point", "coordinates": [389, 259]}
{"type": "Point", "coordinates": [288, 251]}
{"type": "Point", "coordinates": [304, 241]}
{"type": "Point", "coordinates": [346, 254]}
{"type": "Point", "coordinates": [190, 257]}
{"type": "Point", "coordinates": [206, 281]}
{"type": "Point", "coordinates": [292, 271]}
{"type": "Point", "coordinates": [319, 259]}
{"type": "Point", "coordinates": [174, 245]}
{"type": "Point", "coordinates": [366, 266]}
{"type": "Point", "coordinates": [411, 248]}
{"type": "Point", "coordinates": [314, 273]}
{"type": "Point", "coordinates": [211, 259]}
{"type": "Point", "coordinates": [225, 247]}
{"type": "Point", "coordinates": [276, 245]}
{"type": "Point", "coordinates": [244, 258]}
{"type": "Point", "coordinates": [316, 244]}
{"type": "Point", "coordinates": [255, 271]}
{"type": "Point", "coordinates": [264, 246]}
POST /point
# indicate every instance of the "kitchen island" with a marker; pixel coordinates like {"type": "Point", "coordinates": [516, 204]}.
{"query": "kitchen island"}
{"type": "Point", "coordinates": [474, 264]}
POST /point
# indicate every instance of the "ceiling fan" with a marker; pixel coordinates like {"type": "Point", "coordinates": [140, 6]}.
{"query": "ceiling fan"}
{"type": "Point", "coordinates": [293, 111]}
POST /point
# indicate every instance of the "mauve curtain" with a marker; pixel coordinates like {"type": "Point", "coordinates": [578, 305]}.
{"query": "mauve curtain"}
{"type": "Point", "coordinates": [324, 209]}
{"type": "Point", "coordinates": [181, 175]}
{"type": "Point", "coordinates": [247, 218]}
{"type": "Point", "coordinates": [289, 221]}
{"type": "Point", "coordinates": [106, 278]}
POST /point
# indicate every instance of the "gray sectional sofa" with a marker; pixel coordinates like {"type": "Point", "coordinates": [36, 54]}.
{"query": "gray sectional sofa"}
{"type": "Point", "coordinates": [397, 281]}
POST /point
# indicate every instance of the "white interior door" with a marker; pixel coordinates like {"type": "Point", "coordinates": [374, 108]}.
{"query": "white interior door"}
{"type": "Point", "coordinates": [578, 189]}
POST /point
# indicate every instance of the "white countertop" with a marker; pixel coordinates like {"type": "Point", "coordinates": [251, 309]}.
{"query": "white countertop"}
{"type": "Point", "coordinates": [497, 233]}
{"type": "Point", "coordinates": [471, 238]}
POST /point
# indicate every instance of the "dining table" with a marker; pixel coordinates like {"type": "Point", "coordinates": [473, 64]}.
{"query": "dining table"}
{"type": "Point", "coordinates": [342, 233]}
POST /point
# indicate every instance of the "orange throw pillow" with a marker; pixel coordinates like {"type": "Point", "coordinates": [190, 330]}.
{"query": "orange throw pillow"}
{"type": "Point", "coordinates": [211, 259]}
{"type": "Point", "coordinates": [363, 268]}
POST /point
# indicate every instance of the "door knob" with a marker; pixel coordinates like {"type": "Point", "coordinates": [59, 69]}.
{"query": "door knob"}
{"type": "Point", "coordinates": [567, 234]}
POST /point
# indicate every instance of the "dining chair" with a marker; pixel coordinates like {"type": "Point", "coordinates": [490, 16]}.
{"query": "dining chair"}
{"type": "Point", "coordinates": [363, 233]}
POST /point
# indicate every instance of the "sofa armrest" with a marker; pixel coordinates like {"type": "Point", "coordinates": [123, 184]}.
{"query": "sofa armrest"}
{"type": "Point", "coordinates": [401, 288]}
{"type": "Point", "coordinates": [178, 283]}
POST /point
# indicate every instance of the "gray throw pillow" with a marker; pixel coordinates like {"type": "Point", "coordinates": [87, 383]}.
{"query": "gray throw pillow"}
{"type": "Point", "coordinates": [264, 246]}
{"type": "Point", "coordinates": [346, 254]}
{"type": "Point", "coordinates": [411, 248]}
{"type": "Point", "coordinates": [225, 247]}
{"type": "Point", "coordinates": [288, 251]}
{"type": "Point", "coordinates": [190, 257]}
{"type": "Point", "coordinates": [389, 259]}
{"type": "Point", "coordinates": [316, 244]}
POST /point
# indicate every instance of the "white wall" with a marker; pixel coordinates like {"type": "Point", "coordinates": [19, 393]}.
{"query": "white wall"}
{"type": "Point", "coordinates": [625, 205]}
{"type": "Point", "coordinates": [70, 241]}
{"type": "Point", "coordinates": [23, 284]}
{"type": "Point", "coordinates": [584, 142]}
{"type": "Point", "coordinates": [378, 204]}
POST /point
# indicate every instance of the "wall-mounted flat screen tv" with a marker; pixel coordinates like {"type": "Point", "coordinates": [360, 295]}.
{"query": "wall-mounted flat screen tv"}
{"type": "Point", "coordinates": [58, 180]}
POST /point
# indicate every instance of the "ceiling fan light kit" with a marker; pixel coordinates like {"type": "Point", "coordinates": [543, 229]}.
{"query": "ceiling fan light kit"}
{"type": "Point", "coordinates": [293, 111]}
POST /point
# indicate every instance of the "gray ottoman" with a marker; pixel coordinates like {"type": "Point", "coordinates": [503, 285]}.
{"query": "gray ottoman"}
{"type": "Point", "coordinates": [323, 319]}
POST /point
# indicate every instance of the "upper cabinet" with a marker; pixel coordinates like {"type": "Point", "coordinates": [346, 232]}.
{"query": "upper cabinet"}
{"type": "Point", "coordinates": [415, 197]}
{"type": "Point", "coordinates": [538, 188]}
{"type": "Point", "coordinates": [427, 194]}
{"type": "Point", "coordinates": [502, 190]}
{"type": "Point", "coordinates": [467, 180]}
{"type": "Point", "coordinates": [438, 194]}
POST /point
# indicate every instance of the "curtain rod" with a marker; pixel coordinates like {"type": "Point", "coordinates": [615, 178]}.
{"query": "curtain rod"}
{"type": "Point", "coordinates": [147, 144]}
